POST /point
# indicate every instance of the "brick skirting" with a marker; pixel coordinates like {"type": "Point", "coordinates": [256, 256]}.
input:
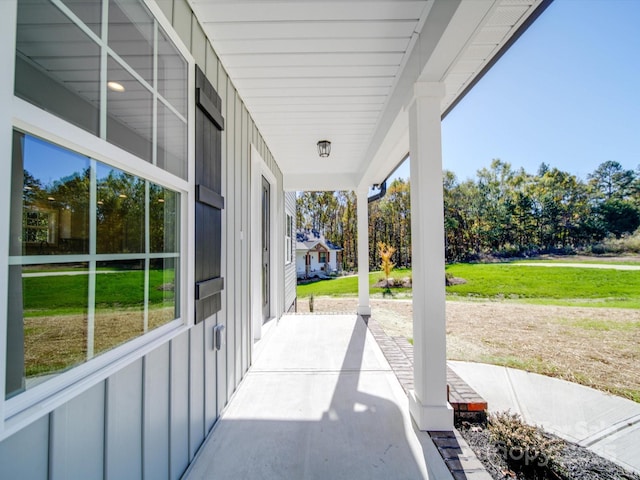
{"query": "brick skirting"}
{"type": "Point", "coordinates": [467, 404]}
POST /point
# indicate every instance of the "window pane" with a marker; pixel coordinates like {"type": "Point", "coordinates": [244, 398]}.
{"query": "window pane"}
{"type": "Point", "coordinates": [131, 35]}
{"type": "Point", "coordinates": [90, 12]}
{"type": "Point", "coordinates": [119, 303]}
{"type": "Point", "coordinates": [120, 211]}
{"type": "Point", "coordinates": [172, 142]}
{"type": "Point", "coordinates": [55, 198]}
{"type": "Point", "coordinates": [52, 318]}
{"type": "Point", "coordinates": [163, 219]}
{"type": "Point", "coordinates": [129, 112]}
{"type": "Point", "coordinates": [163, 291]}
{"type": "Point", "coordinates": [172, 73]}
{"type": "Point", "coordinates": [57, 65]}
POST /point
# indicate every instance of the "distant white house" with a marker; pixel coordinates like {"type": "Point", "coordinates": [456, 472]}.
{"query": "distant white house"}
{"type": "Point", "coordinates": [315, 255]}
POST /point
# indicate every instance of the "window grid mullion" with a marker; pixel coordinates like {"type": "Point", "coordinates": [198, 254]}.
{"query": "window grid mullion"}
{"type": "Point", "coordinates": [91, 287]}
{"type": "Point", "coordinates": [103, 69]}
{"type": "Point", "coordinates": [147, 263]}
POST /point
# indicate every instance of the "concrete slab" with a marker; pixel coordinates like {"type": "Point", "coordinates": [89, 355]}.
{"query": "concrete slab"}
{"type": "Point", "coordinates": [320, 342]}
{"type": "Point", "coordinates": [607, 424]}
{"type": "Point", "coordinates": [491, 382]}
{"type": "Point", "coordinates": [320, 402]}
{"type": "Point", "coordinates": [621, 447]}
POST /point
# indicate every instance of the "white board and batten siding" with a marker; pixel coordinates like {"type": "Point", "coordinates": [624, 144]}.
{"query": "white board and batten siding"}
{"type": "Point", "coordinates": [149, 418]}
{"type": "Point", "coordinates": [290, 277]}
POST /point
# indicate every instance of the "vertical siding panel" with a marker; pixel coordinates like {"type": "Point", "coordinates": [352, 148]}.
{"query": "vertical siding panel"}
{"type": "Point", "coordinates": [246, 201]}
{"type": "Point", "coordinates": [223, 316]}
{"type": "Point", "coordinates": [167, 8]}
{"type": "Point", "coordinates": [198, 43]}
{"type": "Point", "coordinates": [77, 437]}
{"type": "Point", "coordinates": [179, 439]}
{"type": "Point", "coordinates": [25, 454]}
{"type": "Point", "coordinates": [156, 413]}
{"type": "Point", "coordinates": [231, 245]}
{"type": "Point", "coordinates": [237, 191]}
{"type": "Point", "coordinates": [210, 368]}
{"type": "Point", "coordinates": [124, 424]}
{"type": "Point", "coordinates": [211, 69]}
{"type": "Point", "coordinates": [182, 21]}
{"type": "Point", "coordinates": [196, 388]}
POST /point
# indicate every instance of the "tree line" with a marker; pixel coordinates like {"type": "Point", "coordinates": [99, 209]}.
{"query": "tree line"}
{"type": "Point", "coordinates": [501, 212]}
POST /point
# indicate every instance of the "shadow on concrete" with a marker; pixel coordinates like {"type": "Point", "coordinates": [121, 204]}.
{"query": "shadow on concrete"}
{"type": "Point", "coordinates": [309, 420]}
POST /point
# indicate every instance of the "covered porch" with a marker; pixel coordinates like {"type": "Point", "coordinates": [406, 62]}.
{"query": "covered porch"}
{"type": "Point", "coordinates": [320, 401]}
{"type": "Point", "coordinates": [374, 78]}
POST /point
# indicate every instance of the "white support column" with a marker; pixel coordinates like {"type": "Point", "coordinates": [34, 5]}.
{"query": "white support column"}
{"type": "Point", "coordinates": [363, 251]}
{"type": "Point", "coordinates": [428, 402]}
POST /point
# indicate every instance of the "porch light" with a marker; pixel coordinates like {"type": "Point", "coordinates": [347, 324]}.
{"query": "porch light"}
{"type": "Point", "coordinates": [324, 148]}
{"type": "Point", "coordinates": [115, 87]}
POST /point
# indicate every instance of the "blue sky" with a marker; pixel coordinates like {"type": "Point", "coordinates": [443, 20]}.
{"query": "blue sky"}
{"type": "Point", "coordinates": [567, 93]}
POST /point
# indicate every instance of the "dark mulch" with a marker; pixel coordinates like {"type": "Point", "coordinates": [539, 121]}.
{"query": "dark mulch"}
{"type": "Point", "coordinates": [577, 463]}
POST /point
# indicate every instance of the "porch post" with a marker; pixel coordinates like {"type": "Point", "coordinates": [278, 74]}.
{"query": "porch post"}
{"type": "Point", "coordinates": [428, 402]}
{"type": "Point", "coordinates": [363, 251]}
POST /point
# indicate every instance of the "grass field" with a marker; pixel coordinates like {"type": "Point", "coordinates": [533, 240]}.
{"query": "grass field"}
{"type": "Point", "coordinates": [567, 286]}
{"type": "Point", "coordinates": [67, 294]}
{"type": "Point", "coordinates": [56, 314]}
{"type": "Point", "coordinates": [348, 286]}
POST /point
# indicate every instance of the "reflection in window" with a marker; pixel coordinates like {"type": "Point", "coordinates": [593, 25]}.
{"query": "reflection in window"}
{"type": "Point", "coordinates": [55, 199]}
{"type": "Point", "coordinates": [119, 303]}
{"type": "Point", "coordinates": [57, 65]}
{"type": "Point", "coordinates": [172, 145]}
{"type": "Point", "coordinates": [129, 112]}
{"type": "Point", "coordinates": [131, 35]}
{"type": "Point", "coordinates": [172, 73]}
{"type": "Point", "coordinates": [74, 294]}
{"type": "Point", "coordinates": [163, 219]}
{"type": "Point", "coordinates": [120, 211]}
{"type": "Point", "coordinates": [162, 292]}
{"type": "Point", "coordinates": [89, 12]}
{"type": "Point", "coordinates": [55, 318]}
{"type": "Point", "coordinates": [58, 68]}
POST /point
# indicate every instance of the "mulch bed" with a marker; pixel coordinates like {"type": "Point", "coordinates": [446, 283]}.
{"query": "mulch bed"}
{"type": "Point", "coordinates": [578, 463]}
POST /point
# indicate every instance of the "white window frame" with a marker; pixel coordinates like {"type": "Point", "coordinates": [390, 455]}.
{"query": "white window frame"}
{"type": "Point", "coordinates": [288, 256]}
{"type": "Point", "coordinates": [19, 411]}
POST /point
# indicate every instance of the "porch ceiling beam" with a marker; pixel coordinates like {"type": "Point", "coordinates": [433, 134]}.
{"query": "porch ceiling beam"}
{"type": "Point", "coordinates": [319, 181]}
{"type": "Point", "coordinates": [435, 52]}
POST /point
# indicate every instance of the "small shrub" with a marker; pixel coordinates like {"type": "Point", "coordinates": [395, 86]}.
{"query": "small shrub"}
{"type": "Point", "coordinates": [625, 244]}
{"type": "Point", "coordinates": [386, 252]}
{"type": "Point", "coordinates": [524, 447]}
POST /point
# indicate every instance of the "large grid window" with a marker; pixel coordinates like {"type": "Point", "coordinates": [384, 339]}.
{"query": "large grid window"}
{"type": "Point", "coordinates": [108, 67]}
{"type": "Point", "coordinates": [94, 260]}
{"type": "Point", "coordinates": [94, 249]}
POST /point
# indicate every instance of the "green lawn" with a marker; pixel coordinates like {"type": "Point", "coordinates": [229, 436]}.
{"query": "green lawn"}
{"type": "Point", "coordinates": [348, 286]}
{"type": "Point", "coordinates": [538, 285]}
{"type": "Point", "coordinates": [67, 294]}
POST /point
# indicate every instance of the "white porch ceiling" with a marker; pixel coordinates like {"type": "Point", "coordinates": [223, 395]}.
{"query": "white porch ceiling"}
{"type": "Point", "coordinates": [344, 71]}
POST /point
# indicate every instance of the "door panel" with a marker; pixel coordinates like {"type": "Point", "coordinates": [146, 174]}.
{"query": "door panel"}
{"type": "Point", "coordinates": [266, 249]}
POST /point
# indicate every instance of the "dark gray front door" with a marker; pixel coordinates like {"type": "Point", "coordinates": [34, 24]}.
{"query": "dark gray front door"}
{"type": "Point", "coordinates": [266, 249]}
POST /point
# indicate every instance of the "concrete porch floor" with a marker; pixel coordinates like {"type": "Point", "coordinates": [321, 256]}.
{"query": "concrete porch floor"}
{"type": "Point", "coordinates": [320, 401]}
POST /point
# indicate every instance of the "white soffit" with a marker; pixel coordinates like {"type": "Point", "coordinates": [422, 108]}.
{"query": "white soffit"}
{"type": "Point", "coordinates": [311, 70]}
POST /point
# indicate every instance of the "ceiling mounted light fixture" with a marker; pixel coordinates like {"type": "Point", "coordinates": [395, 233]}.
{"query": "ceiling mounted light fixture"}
{"type": "Point", "coordinates": [115, 87]}
{"type": "Point", "coordinates": [324, 148]}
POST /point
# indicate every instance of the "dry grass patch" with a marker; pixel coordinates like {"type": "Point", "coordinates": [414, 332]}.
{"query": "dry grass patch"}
{"type": "Point", "coordinates": [597, 347]}
{"type": "Point", "coordinates": [57, 342]}
{"type": "Point", "coordinates": [594, 347]}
